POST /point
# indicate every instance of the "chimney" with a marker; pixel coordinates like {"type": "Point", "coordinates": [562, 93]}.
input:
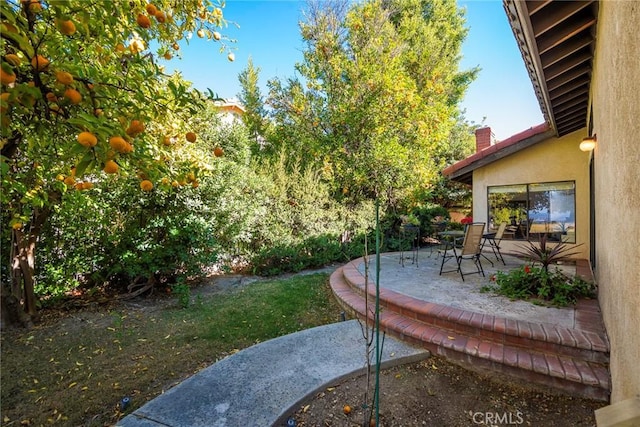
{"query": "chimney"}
{"type": "Point", "coordinates": [484, 138]}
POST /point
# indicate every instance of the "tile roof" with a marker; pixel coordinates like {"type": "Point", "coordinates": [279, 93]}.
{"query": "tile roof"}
{"type": "Point", "coordinates": [462, 170]}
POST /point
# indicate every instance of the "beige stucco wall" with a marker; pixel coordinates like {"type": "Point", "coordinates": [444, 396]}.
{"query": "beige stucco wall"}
{"type": "Point", "coordinates": [556, 159]}
{"type": "Point", "coordinates": [616, 117]}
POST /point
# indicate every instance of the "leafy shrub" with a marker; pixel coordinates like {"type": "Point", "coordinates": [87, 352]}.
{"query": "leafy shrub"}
{"type": "Point", "coordinates": [313, 252]}
{"type": "Point", "coordinates": [532, 282]}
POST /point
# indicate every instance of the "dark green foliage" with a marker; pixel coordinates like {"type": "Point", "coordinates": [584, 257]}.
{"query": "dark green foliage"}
{"type": "Point", "coordinates": [313, 252]}
{"type": "Point", "coordinates": [540, 284]}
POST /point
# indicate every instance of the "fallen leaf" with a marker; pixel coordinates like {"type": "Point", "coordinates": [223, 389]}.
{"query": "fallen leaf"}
{"type": "Point", "coordinates": [73, 384]}
{"type": "Point", "coordinates": [305, 409]}
{"type": "Point", "coordinates": [451, 338]}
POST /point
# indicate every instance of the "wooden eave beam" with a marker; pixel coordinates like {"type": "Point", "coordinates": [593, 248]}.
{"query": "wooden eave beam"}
{"type": "Point", "coordinates": [569, 86]}
{"type": "Point", "coordinates": [563, 33]}
{"type": "Point", "coordinates": [565, 78]}
{"type": "Point", "coordinates": [554, 16]}
{"type": "Point", "coordinates": [565, 50]}
{"type": "Point", "coordinates": [566, 65]}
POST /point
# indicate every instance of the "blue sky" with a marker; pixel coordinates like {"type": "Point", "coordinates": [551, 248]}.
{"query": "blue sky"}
{"type": "Point", "coordinates": [501, 97]}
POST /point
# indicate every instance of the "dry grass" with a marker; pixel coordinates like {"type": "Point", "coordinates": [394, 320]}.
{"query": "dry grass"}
{"type": "Point", "coordinates": [74, 369]}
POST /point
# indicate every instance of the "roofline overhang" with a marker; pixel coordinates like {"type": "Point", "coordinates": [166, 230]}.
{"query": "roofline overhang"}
{"type": "Point", "coordinates": [462, 171]}
{"type": "Point", "coordinates": [518, 17]}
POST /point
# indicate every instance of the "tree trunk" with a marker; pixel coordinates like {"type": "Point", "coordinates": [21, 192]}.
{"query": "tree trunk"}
{"type": "Point", "coordinates": [21, 298]}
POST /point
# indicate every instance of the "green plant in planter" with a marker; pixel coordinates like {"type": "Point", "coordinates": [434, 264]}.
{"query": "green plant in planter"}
{"type": "Point", "coordinates": [537, 283]}
{"type": "Point", "coordinates": [546, 255]}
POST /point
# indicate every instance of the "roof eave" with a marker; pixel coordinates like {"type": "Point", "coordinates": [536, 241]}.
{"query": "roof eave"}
{"type": "Point", "coordinates": [520, 23]}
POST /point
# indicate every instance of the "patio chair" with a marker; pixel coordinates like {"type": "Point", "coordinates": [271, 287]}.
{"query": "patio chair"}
{"type": "Point", "coordinates": [494, 239]}
{"type": "Point", "coordinates": [471, 248]}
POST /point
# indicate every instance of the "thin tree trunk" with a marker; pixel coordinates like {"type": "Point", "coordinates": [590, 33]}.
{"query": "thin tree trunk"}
{"type": "Point", "coordinates": [23, 262]}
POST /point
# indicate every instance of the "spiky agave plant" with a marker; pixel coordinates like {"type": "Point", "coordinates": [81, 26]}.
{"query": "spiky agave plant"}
{"type": "Point", "coordinates": [547, 255]}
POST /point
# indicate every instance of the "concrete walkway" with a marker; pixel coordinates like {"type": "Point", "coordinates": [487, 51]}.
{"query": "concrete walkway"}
{"type": "Point", "coordinates": [260, 385]}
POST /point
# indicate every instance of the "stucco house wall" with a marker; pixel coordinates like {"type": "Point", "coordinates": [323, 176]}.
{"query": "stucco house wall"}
{"type": "Point", "coordinates": [556, 159]}
{"type": "Point", "coordinates": [615, 95]}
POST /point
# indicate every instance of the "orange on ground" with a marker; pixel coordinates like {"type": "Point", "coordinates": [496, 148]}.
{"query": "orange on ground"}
{"type": "Point", "coordinates": [346, 409]}
{"type": "Point", "coordinates": [39, 62]}
{"type": "Point", "coordinates": [146, 185]}
{"type": "Point", "coordinates": [191, 137]}
{"type": "Point", "coordinates": [117, 143]}
{"type": "Point", "coordinates": [13, 59]}
{"type": "Point", "coordinates": [218, 152]}
{"type": "Point", "coordinates": [143, 21]}
{"type": "Point", "coordinates": [110, 166]}
{"type": "Point", "coordinates": [87, 139]}
{"type": "Point", "coordinates": [6, 78]}
{"type": "Point", "coordinates": [64, 77]}
{"type": "Point", "coordinates": [66, 27]}
{"type": "Point", "coordinates": [73, 96]}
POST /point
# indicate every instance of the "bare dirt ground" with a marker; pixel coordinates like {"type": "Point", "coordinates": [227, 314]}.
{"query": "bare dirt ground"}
{"type": "Point", "coordinates": [435, 392]}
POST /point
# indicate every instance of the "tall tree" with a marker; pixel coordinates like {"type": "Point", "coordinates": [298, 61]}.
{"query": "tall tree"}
{"type": "Point", "coordinates": [378, 94]}
{"type": "Point", "coordinates": [251, 98]}
{"type": "Point", "coordinates": [84, 101]}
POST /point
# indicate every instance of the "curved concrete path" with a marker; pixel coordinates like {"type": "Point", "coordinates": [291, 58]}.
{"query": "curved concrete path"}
{"type": "Point", "coordinates": [260, 385]}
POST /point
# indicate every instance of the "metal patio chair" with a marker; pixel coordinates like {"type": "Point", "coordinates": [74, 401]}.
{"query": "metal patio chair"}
{"type": "Point", "coordinates": [471, 248]}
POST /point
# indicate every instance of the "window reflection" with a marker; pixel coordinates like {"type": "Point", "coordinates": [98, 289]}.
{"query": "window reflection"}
{"type": "Point", "coordinates": [531, 210]}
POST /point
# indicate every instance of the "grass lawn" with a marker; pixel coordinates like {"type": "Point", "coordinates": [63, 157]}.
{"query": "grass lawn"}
{"type": "Point", "coordinates": [74, 369]}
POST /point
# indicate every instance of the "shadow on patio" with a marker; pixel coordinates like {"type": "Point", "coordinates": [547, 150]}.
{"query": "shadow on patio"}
{"type": "Point", "coordinates": [565, 348]}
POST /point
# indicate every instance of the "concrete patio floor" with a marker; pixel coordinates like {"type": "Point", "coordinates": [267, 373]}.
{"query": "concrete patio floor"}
{"type": "Point", "coordinates": [421, 280]}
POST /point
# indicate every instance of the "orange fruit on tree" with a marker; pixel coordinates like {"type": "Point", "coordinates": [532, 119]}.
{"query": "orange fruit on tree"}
{"type": "Point", "coordinates": [66, 27]}
{"type": "Point", "coordinates": [160, 16]}
{"type": "Point", "coordinates": [118, 144]}
{"type": "Point", "coordinates": [191, 137]}
{"type": "Point", "coordinates": [64, 77]}
{"type": "Point", "coordinates": [143, 21]}
{"type": "Point", "coordinates": [110, 166]}
{"type": "Point", "coordinates": [73, 96]}
{"type": "Point", "coordinates": [87, 185]}
{"type": "Point", "coordinates": [136, 127]}
{"type": "Point", "coordinates": [151, 9]}
{"type": "Point", "coordinates": [166, 141]}
{"type": "Point", "coordinates": [51, 97]}
{"type": "Point", "coordinates": [167, 55]}
{"type": "Point", "coordinates": [70, 181]}
{"type": "Point", "coordinates": [218, 152]}
{"type": "Point", "coordinates": [119, 48]}
{"type": "Point", "coordinates": [200, 33]}
{"type": "Point", "coordinates": [146, 185]}
{"type": "Point", "coordinates": [87, 139]}
{"type": "Point", "coordinates": [136, 46]}
{"type": "Point", "coordinates": [231, 57]}
{"type": "Point", "coordinates": [175, 46]}
{"type": "Point", "coordinates": [216, 35]}
{"type": "Point", "coordinates": [7, 77]}
{"type": "Point", "coordinates": [5, 98]}
{"type": "Point", "coordinates": [13, 59]}
{"type": "Point", "coordinates": [35, 6]}
{"type": "Point", "coordinates": [39, 62]}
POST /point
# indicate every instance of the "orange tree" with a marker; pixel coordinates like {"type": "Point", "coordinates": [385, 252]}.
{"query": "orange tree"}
{"type": "Point", "coordinates": [83, 101]}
